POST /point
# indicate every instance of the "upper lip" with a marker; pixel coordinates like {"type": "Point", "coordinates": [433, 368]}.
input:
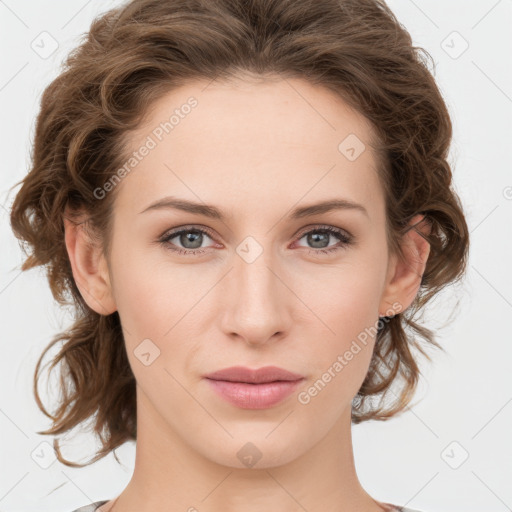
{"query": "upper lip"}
{"type": "Point", "coordinates": [243, 374]}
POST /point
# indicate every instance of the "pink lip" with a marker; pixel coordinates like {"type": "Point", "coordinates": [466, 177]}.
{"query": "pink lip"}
{"type": "Point", "coordinates": [258, 376]}
{"type": "Point", "coordinates": [254, 396]}
{"type": "Point", "coordinates": [254, 389]}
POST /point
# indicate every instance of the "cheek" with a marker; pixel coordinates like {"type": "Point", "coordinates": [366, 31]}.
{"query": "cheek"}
{"type": "Point", "coordinates": [347, 318]}
{"type": "Point", "coordinates": [340, 362]}
{"type": "Point", "coordinates": [151, 294]}
{"type": "Point", "coordinates": [158, 305]}
{"type": "Point", "coordinates": [348, 302]}
{"type": "Point", "coordinates": [155, 305]}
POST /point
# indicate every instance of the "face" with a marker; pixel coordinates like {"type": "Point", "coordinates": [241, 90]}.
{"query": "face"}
{"type": "Point", "coordinates": [256, 279]}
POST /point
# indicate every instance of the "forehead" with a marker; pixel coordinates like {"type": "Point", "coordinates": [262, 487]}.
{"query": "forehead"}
{"type": "Point", "coordinates": [269, 140]}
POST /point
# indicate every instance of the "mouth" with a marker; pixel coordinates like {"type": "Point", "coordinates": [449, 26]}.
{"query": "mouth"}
{"type": "Point", "coordinates": [254, 396]}
{"type": "Point", "coordinates": [254, 389]}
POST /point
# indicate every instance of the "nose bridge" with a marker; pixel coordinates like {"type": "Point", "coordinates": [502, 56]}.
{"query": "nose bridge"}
{"type": "Point", "coordinates": [254, 278]}
{"type": "Point", "coordinates": [257, 306]}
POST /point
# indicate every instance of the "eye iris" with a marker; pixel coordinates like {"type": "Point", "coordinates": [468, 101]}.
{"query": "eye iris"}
{"type": "Point", "coordinates": [191, 236]}
{"type": "Point", "coordinates": [318, 238]}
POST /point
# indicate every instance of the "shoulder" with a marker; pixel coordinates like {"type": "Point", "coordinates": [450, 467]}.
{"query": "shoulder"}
{"type": "Point", "coordinates": [405, 509]}
{"type": "Point", "coordinates": [92, 507]}
{"type": "Point", "coordinates": [398, 508]}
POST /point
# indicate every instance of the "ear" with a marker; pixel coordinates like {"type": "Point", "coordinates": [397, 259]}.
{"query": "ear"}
{"type": "Point", "coordinates": [89, 266]}
{"type": "Point", "coordinates": [404, 275]}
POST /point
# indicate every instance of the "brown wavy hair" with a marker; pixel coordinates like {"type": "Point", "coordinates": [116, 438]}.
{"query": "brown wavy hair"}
{"type": "Point", "coordinates": [135, 54]}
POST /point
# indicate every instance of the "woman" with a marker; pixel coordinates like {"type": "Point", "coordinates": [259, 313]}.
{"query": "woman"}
{"type": "Point", "coordinates": [247, 203]}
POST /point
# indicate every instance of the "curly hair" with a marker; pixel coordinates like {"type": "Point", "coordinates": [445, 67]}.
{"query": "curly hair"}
{"type": "Point", "coordinates": [136, 53]}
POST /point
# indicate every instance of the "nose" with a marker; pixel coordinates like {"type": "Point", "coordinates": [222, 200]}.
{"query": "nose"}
{"type": "Point", "coordinates": [256, 301]}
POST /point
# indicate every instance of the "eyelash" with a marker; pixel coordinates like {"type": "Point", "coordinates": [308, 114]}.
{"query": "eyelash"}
{"type": "Point", "coordinates": [345, 239]}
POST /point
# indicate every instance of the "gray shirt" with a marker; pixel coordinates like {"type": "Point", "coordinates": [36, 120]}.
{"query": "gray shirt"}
{"type": "Point", "coordinates": [93, 506]}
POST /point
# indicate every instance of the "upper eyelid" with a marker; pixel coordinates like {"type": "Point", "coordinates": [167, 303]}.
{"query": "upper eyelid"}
{"type": "Point", "coordinates": [320, 227]}
{"type": "Point", "coordinates": [176, 231]}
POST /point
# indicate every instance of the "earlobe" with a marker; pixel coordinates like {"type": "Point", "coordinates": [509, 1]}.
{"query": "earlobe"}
{"type": "Point", "coordinates": [89, 268]}
{"type": "Point", "coordinates": [404, 278]}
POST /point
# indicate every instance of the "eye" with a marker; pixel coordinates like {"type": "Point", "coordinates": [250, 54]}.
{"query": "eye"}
{"type": "Point", "coordinates": [319, 239]}
{"type": "Point", "coordinates": [189, 240]}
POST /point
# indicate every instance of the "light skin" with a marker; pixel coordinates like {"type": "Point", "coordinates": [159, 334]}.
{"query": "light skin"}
{"type": "Point", "coordinates": [256, 151]}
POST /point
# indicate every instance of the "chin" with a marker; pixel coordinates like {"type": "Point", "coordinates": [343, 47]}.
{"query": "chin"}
{"type": "Point", "coordinates": [257, 451]}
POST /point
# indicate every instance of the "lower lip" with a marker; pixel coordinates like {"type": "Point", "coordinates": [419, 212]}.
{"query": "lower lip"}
{"type": "Point", "coordinates": [254, 396]}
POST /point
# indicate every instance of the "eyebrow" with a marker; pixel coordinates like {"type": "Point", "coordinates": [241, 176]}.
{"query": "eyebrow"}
{"type": "Point", "coordinates": [213, 212]}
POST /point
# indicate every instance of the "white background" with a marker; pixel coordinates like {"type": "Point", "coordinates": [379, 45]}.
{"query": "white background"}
{"type": "Point", "coordinates": [466, 394]}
